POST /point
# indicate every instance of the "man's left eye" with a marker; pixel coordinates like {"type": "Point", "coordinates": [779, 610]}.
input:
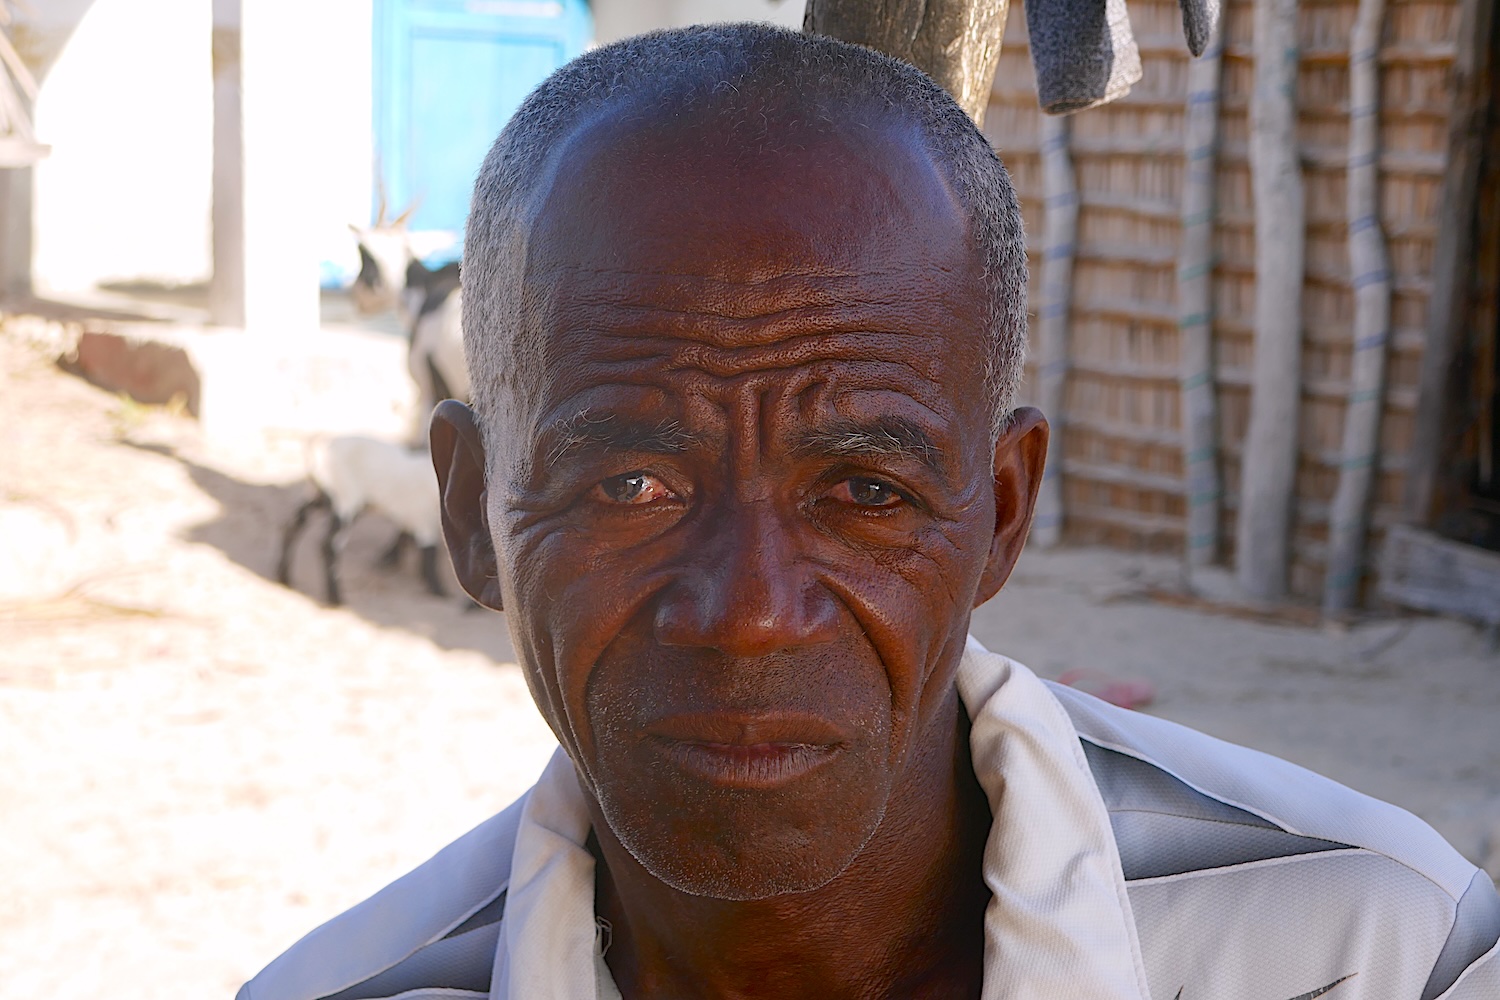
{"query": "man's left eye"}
{"type": "Point", "coordinates": [864, 492]}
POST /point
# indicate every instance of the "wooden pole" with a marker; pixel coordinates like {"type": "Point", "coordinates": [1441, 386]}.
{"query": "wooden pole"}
{"type": "Point", "coordinates": [1452, 253]}
{"type": "Point", "coordinates": [1370, 266]}
{"type": "Point", "coordinates": [1059, 242]}
{"type": "Point", "coordinates": [1268, 473]}
{"type": "Point", "coordinates": [956, 42]}
{"type": "Point", "coordinates": [1195, 309]}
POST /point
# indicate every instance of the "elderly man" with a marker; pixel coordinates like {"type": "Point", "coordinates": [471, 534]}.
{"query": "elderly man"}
{"type": "Point", "coordinates": [745, 318]}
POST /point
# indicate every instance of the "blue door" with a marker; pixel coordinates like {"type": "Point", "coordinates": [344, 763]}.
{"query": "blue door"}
{"type": "Point", "coordinates": [448, 75]}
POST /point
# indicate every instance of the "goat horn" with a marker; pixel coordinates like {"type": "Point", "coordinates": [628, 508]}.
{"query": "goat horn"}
{"type": "Point", "coordinates": [402, 219]}
{"type": "Point", "coordinates": [379, 194]}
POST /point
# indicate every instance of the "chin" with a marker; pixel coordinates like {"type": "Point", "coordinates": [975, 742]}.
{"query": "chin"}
{"type": "Point", "coordinates": [746, 844]}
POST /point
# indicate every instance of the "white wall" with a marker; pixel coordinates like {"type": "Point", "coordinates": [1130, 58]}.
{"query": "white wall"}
{"type": "Point", "coordinates": [615, 19]}
{"type": "Point", "coordinates": [127, 108]}
{"type": "Point", "coordinates": [127, 104]}
{"type": "Point", "coordinates": [340, 169]}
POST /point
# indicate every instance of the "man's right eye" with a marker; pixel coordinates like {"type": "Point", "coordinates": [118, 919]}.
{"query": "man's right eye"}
{"type": "Point", "coordinates": [633, 489]}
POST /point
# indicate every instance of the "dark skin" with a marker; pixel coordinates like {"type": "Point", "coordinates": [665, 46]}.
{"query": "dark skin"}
{"type": "Point", "coordinates": [744, 501]}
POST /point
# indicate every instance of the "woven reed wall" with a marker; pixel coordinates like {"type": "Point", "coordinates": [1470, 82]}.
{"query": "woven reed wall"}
{"type": "Point", "coordinates": [1122, 464]}
{"type": "Point", "coordinates": [1484, 326]}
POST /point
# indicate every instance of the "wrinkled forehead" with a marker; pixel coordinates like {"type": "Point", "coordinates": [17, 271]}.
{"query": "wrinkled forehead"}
{"type": "Point", "coordinates": [744, 195]}
{"type": "Point", "coordinates": [654, 235]}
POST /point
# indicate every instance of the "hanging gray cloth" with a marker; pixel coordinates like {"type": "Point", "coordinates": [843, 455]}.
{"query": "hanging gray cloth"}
{"type": "Point", "coordinates": [1085, 54]}
{"type": "Point", "coordinates": [1199, 19]}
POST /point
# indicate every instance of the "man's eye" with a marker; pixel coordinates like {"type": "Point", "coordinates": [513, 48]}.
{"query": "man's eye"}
{"type": "Point", "coordinates": [633, 488]}
{"type": "Point", "coordinates": [865, 492]}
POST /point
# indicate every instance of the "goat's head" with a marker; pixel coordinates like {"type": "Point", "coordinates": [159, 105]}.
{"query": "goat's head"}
{"type": "Point", "coordinates": [384, 255]}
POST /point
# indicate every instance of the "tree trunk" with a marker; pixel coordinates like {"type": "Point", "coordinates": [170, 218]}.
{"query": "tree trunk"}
{"type": "Point", "coordinates": [1268, 472]}
{"type": "Point", "coordinates": [956, 42]}
{"type": "Point", "coordinates": [1368, 263]}
{"type": "Point", "coordinates": [1195, 308]}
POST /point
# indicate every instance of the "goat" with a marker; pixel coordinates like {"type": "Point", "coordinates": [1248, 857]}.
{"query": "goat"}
{"type": "Point", "coordinates": [429, 303]}
{"type": "Point", "coordinates": [351, 473]}
{"type": "Point", "coordinates": [435, 357]}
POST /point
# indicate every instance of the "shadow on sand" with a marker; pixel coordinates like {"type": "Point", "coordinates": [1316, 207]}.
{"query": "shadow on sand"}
{"type": "Point", "coordinates": [249, 530]}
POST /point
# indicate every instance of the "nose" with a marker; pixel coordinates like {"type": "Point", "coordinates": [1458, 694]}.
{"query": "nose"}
{"type": "Point", "coordinates": [747, 591]}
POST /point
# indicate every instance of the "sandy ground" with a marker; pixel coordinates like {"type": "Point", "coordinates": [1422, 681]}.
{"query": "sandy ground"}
{"type": "Point", "coordinates": [197, 765]}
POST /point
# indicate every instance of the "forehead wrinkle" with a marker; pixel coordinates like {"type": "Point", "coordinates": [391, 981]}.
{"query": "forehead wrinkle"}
{"type": "Point", "coordinates": [588, 351]}
{"type": "Point", "coordinates": [689, 292]}
{"type": "Point", "coordinates": [732, 320]}
{"type": "Point", "coordinates": [771, 359]}
{"type": "Point", "coordinates": [850, 342]}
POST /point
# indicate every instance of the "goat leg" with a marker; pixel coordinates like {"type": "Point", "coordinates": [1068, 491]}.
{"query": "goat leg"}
{"type": "Point", "coordinates": [430, 570]}
{"type": "Point", "coordinates": [290, 533]}
{"type": "Point", "coordinates": [331, 546]}
{"type": "Point", "coordinates": [392, 556]}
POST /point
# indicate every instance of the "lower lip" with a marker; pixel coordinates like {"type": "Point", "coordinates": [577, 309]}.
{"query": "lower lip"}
{"type": "Point", "coordinates": [755, 765]}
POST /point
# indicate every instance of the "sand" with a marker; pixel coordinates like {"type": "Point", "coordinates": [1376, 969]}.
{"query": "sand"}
{"type": "Point", "coordinates": [197, 765]}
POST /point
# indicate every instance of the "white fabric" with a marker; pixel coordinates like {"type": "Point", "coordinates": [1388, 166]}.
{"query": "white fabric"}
{"type": "Point", "coordinates": [1058, 923]}
{"type": "Point", "coordinates": [547, 942]}
{"type": "Point", "coordinates": [1058, 926]}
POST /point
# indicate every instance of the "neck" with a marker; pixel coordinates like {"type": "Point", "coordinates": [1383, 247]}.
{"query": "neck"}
{"type": "Point", "coordinates": [905, 919]}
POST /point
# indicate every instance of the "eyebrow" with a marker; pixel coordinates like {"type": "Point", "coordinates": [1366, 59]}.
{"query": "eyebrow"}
{"type": "Point", "coordinates": [590, 431]}
{"type": "Point", "coordinates": [886, 437]}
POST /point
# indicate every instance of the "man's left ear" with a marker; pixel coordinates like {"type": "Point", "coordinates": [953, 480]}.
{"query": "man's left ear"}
{"type": "Point", "coordinates": [1020, 457]}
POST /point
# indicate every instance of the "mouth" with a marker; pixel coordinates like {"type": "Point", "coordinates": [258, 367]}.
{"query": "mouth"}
{"type": "Point", "coordinates": [748, 752]}
{"type": "Point", "coordinates": [748, 766]}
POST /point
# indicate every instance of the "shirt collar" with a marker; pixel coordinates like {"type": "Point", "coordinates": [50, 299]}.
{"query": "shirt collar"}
{"type": "Point", "coordinates": [1058, 925]}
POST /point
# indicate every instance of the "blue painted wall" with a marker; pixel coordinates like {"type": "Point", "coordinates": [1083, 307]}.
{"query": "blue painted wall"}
{"type": "Point", "coordinates": [448, 75]}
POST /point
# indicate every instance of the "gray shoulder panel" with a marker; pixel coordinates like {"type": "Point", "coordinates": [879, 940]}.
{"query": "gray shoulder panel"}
{"type": "Point", "coordinates": [1165, 827]}
{"type": "Point", "coordinates": [1476, 928]}
{"type": "Point", "coordinates": [404, 922]}
{"type": "Point", "coordinates": [459, 962]}
{"type": "Point", "coordinates": [1293, 799]}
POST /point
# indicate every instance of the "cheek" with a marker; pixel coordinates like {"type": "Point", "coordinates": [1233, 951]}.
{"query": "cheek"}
{"type": "Point", "coordinates": [912, 604]}
{"type": "Point", "coordinates": [569, 601]}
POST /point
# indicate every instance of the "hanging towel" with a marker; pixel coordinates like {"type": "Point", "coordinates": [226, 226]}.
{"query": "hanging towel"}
{"type": "Point", "coordinates": [1199, 19]}
{"type": "Point", "coordinates": [1085, 54]}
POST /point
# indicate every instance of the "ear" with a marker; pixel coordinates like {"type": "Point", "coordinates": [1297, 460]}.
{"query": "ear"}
{"type": "Point", "coordinates": [458, 458]}
{"type": "Point", "coordinates": [1020, 456]}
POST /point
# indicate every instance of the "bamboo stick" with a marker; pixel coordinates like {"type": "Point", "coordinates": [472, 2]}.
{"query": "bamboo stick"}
{"type": "Point", "coordinates": [1268, 479]}
{"type": "Point", "coordinates": [1370, 267]}
{"type": "Point", "coordinates": [1195, 264]}
{"type": "Point", "coordinates": [1059, 239]}
{"type": "Point", "coordinates": [15, 121]}
{"type": "Point", "coordinates": [12, 61]}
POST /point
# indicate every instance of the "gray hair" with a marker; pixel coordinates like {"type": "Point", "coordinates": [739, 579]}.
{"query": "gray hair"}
{"type": "Point", "coordinates": [725, 70]}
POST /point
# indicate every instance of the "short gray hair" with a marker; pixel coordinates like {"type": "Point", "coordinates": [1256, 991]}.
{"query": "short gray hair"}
{"type": "Point", "coordinates": [723, 69]}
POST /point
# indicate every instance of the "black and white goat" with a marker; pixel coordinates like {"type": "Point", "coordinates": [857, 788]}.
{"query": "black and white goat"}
{"type": "Point", "coordinates": [430, 305]}
{"type": "Point", "coordinates": [350, 474]}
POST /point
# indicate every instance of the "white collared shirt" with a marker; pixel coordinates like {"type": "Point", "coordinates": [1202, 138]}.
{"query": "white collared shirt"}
{"type": "Point", "coordinates": [1129, 858]}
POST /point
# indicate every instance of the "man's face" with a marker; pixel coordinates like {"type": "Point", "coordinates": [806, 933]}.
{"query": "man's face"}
{"type": "Point", "coordinates": [748, 498]}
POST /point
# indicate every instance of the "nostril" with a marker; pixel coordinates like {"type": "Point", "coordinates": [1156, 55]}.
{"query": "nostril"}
{"type": "Point", "coordinates": [752, 615]}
